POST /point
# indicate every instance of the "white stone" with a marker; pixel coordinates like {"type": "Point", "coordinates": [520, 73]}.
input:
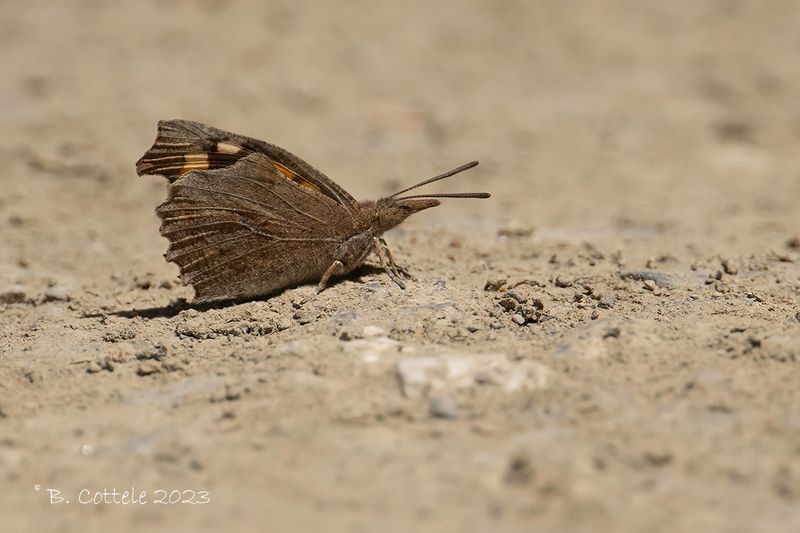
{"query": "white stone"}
{"type": "Point", "coordinates": [420, 376]}
{"type": "Point", "coordinates": [372, 331]}
{"type": "Point", "coordinates": [372, 350]}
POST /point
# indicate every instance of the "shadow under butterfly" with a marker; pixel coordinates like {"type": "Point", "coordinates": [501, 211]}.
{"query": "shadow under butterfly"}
{"type": "Point", "coordinates": [246, 218]}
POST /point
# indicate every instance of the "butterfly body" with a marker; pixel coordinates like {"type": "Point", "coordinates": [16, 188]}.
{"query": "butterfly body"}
{"type": "Point", "coordinates": [246, 218]}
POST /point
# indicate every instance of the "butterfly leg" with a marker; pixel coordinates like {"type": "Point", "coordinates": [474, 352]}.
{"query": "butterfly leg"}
{"type": "Point", "coordinates": [387, 263]}
{"type": "Point", "coordinates": [400, 271]}
{"type": "Point", "coordinates": [336, 268]}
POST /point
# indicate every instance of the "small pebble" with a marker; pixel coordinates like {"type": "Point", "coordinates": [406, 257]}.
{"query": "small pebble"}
{"type": "Point", "coordinates": [147, 350]}
{"type": "Point", "coordinates": [283, 323]}
{"type": "Point", "coordinates": [515, 231]}
{"type": "Point", "coordinates": [453, 332]}
{"type": "Point", "coordinates": [346, 315]}
{"type": "Point", "coordinates": [520, 470]}
{"type": "Point", "coordinates": [658, 457]}
{"type": "Point", "coordinates": [56, 293]}
{"type": "Point", "coordinates": [606, 302]}
{"type": "Point", "coordinates": [305, 317]}
{"type": "Point", "coordinates": [143, 283]}
{"type": "Point", "coordinates": [12, 295]}
{"type": "Point", "coordinates": [755, 296]}
{"type": "Point", "coordinates": [232, 392]}
{"type": "Point", "coordinates": [494, 285]}
{"type": "Point", "coordinates": [373, 285]}
{"type": "Point", "coordinates": [373, 331]}
{"type": "Point", "coordinates": [530, 313]}
{"type": "Point", "coordinates": [659, 278]}
{"type": "Point", "coordinates": [516, 296]}
{"type": "Point", "coordinates": [147, 368]}
{"type": "Point", "coordinates": [518, 319]}
{"type": "Point", "coordinates": [729, 267]}
{"type": "Point", "coordinates": [509, 304]}
{"type": "Point", "coordinates": [443, 407]}
{"type": "Point", "coordinates": [562, 281]}
{"type": "Point", "coordinates": [105, 363]}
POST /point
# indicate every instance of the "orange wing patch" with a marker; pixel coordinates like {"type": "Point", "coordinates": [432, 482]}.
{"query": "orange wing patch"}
{"type": "Point", "coordinates": [194, 162]}
{"type": "Point", "coordinates": [295, 177]}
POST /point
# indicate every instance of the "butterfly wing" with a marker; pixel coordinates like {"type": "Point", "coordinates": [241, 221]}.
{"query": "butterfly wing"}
{"type": "Point", "coordinates": [245, 230]}
{"type": "Point", "coordinates": [182, 146]}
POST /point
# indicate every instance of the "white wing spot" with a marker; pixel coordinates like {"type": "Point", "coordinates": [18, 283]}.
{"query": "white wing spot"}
{"type": "Point", "coordinates": [225, 148]}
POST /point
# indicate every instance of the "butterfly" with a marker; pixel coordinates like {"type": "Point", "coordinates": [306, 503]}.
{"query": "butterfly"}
{"type": "Point", "coordinates": [245, 218]}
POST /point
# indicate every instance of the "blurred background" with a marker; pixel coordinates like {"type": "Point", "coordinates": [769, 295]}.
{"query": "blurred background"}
{"type": "Point", "coordinates": [665, 129]}
{"type": "Point", "coordinates": [605, 112]}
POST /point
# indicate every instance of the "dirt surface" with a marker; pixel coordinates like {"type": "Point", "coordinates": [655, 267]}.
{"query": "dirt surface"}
{"type": "Point", "coordinates": [612, 342]}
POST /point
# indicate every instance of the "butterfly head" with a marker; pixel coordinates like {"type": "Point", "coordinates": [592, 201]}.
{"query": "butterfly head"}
{"type": "Point", "coordinates": [389, 212]}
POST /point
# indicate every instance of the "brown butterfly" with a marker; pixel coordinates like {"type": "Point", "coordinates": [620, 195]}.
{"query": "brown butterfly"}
{"type": "Point", "coordinates": [246, 218]}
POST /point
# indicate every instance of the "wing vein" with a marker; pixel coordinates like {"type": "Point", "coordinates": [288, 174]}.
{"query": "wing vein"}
{"type": "Point", "coordinates": [185, 252]}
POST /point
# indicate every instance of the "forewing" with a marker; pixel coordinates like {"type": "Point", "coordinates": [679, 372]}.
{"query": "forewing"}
{"type": "Point", "coordinates": [182, 146]}
{"type": "Point", "coordinates": [245, 230]}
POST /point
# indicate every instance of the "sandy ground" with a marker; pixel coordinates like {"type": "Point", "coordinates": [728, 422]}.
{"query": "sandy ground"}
{"type": "Point", "coordinates": [612, 342]}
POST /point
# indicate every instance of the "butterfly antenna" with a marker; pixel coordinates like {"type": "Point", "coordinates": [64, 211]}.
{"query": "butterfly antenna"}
{"type": "Point", "coordinates": [462, 168]}
{"type": "Point", "coordinates": [449, 195]}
